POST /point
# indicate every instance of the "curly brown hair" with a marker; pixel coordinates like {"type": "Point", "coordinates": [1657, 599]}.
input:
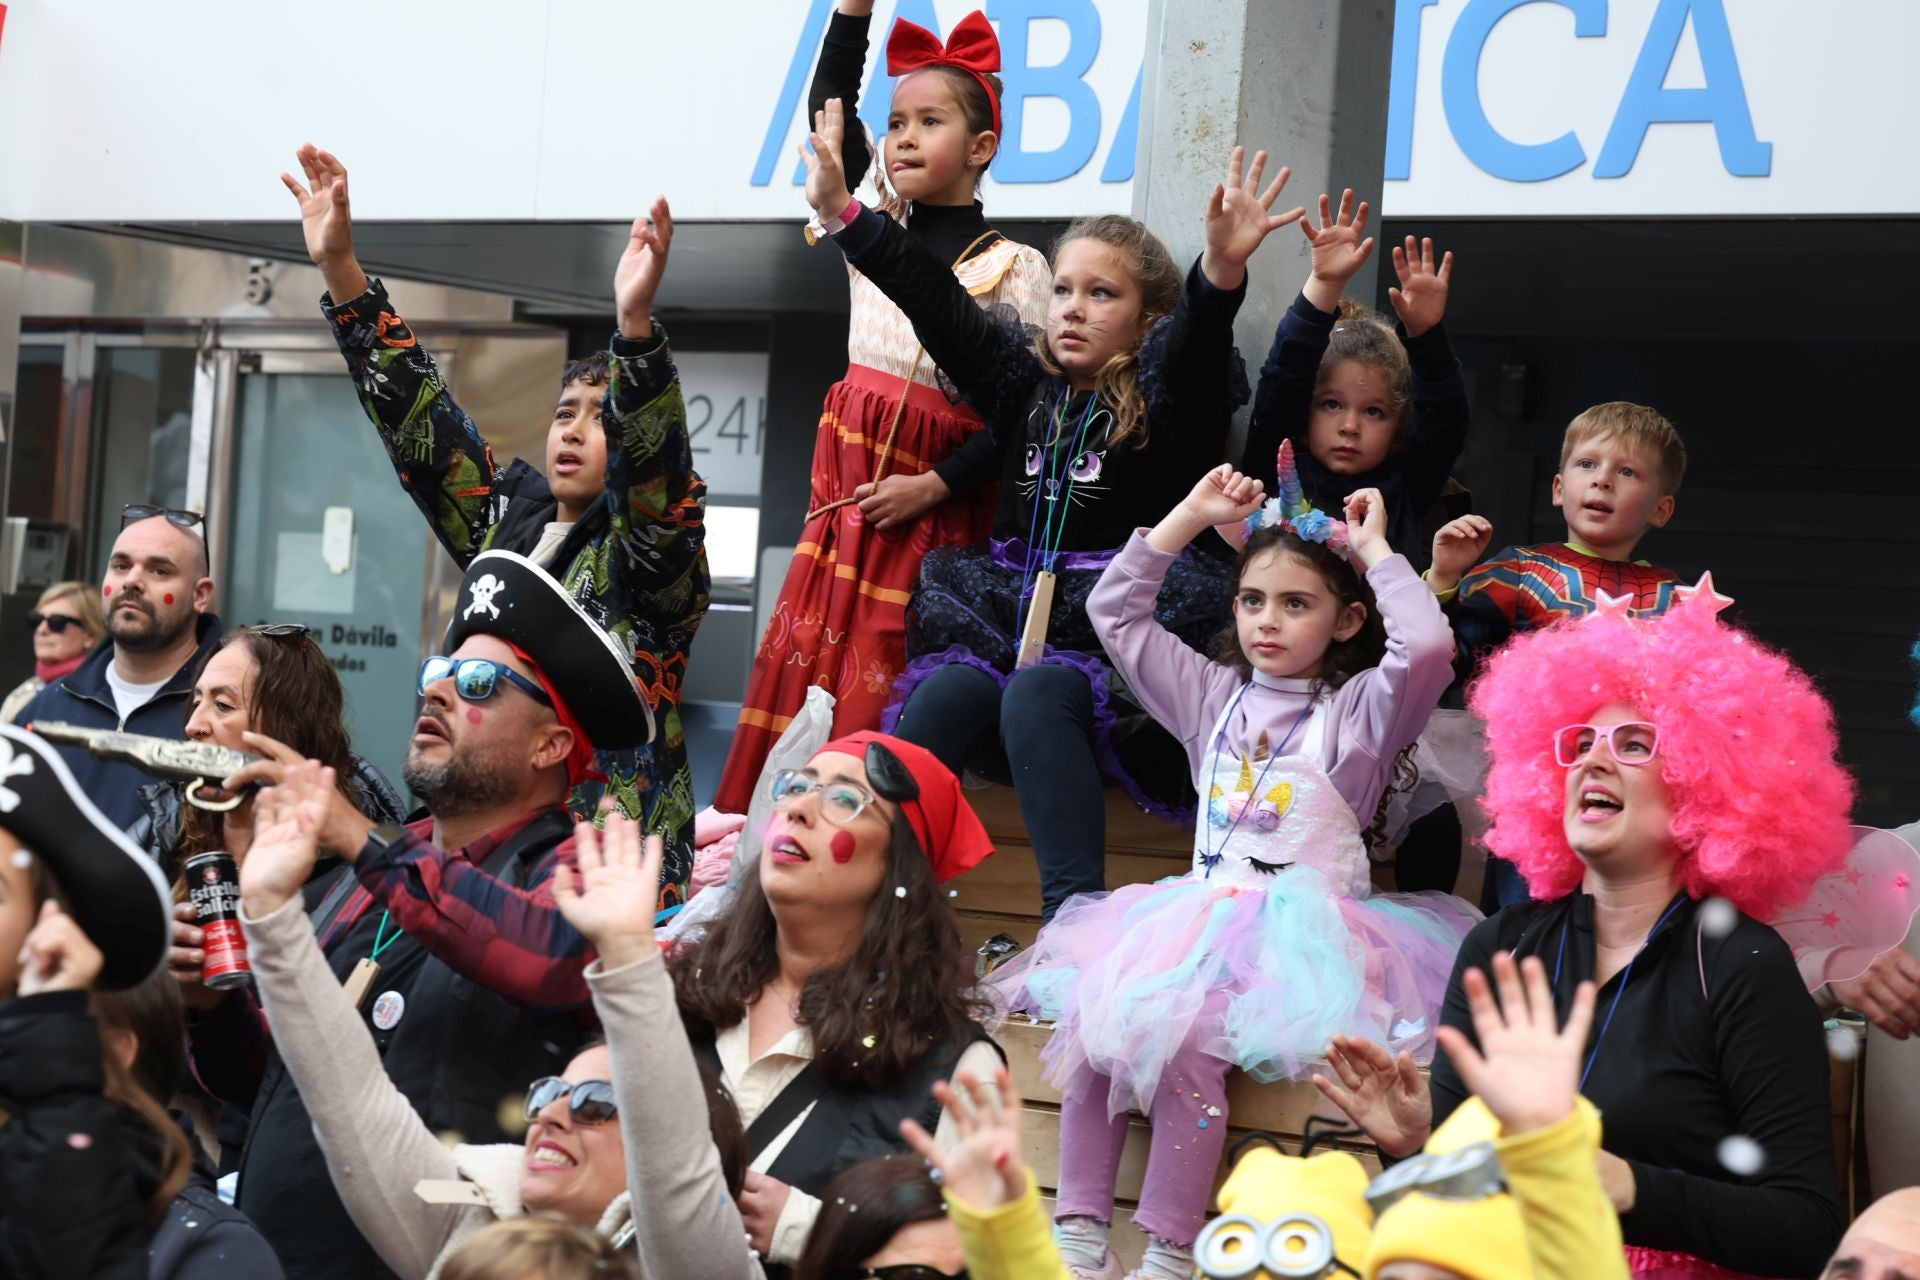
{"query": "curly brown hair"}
{"type": "Point", "coordinates": [905, 989]}
{"type": "Point", "coordinates": [895, 1191]}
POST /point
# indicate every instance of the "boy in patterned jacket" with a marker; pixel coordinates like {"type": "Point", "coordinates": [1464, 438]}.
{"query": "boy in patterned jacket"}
{"type": "Point", "coordinates": [618, 517]}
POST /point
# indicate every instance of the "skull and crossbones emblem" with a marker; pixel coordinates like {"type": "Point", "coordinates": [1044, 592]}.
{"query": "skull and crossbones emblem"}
{"type": "Point", "coordinates": [481, 595]}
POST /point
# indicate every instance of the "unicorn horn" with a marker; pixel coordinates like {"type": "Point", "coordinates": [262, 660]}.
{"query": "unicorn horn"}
{"type": "Point", "coordinates": [1293, 498]}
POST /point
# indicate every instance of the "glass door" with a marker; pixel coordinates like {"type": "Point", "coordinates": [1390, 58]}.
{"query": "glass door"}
{"type": "Point", "coordinates": [320, 532]}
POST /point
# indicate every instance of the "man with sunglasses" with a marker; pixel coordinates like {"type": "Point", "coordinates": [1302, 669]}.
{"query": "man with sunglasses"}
{"type": "Point", "coordinates": [157, 595]}
{"type": "Point", "coordinates": [444, 932]}
{"type": "Point", "coordinates": [617, 515]}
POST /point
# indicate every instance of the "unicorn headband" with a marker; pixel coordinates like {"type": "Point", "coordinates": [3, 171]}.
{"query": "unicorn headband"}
{"type": "Point", "coordinates": [1290, 509]}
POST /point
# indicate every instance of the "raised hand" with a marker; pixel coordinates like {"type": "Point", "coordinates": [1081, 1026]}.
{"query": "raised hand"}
{"type": "Point", "coordinates": [826, 178]}
{"type": "Point", "coordinates": [287, 821]}
{"type": "Point", "coordinates": [1421, 299]}
{"type": "Point", "coordinates": [57, 955]}
{"type": "Point", "coordinates": [1239, 217]}
{"type": "Point", "coordinates": [1338, 249]}
{"type": "Point", "coordinates": [1366, 516]}
{"type": "Point", "coordinates": [637, 278]}
{"type": "Point", "coordinates": [983, 1168]}
{"type": "Point", "coordinates": [1382, 1094]}
{"type": "Point", "coordinates": [613, 893]}
{"type": "Point", "coordinates": [343, 828]}
{"type": "Point", "coordinates": [1457, 547]}
{"type": "Point", "coordinates": [325, 215]}
{"type": "Point", "coordinates": [1224, 496]}
{"type": "Point", "coordinates": [1527, 1070]}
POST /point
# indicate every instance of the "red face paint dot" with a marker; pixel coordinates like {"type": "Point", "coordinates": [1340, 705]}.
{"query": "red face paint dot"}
{"type": "Point", "coordinates": [474, 716]}
{"type": "Point", "coordinates": [106, 591]}
{"type": "Point", "coordinates": [167, 598]}
{"type": "Point", "coordinates": [842, 848]}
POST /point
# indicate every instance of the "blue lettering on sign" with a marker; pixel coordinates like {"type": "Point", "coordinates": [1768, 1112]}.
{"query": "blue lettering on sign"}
{"type": "Point", "coordinates": [1645, 102]}
{"type": "Point", "coordinates": [1064, 81]}
{"type": "Point", "coordinates": [1721, 103]}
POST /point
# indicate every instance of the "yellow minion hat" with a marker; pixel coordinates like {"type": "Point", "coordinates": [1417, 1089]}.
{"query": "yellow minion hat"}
{"type": "Point", "coordinates": [1475, 1239]}
{"type": "Point", "coordinates": [1269, 1187]}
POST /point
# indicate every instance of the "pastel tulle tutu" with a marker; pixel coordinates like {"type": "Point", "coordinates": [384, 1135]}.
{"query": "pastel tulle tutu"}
{"type": "Point", "coordinates": [1126, 975]}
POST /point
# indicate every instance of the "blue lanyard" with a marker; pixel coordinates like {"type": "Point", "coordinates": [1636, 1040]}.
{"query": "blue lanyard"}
{"type": "Point", "coordinates": [1053, 466]}
{"type": "Point", "coordinates": [1208, 857]}
{"type": "Point", "coordinates": [1625, 977]}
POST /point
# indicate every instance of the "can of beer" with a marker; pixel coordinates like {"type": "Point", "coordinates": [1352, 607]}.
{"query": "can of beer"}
{"type": "Point", "coordinates": [213, 886]}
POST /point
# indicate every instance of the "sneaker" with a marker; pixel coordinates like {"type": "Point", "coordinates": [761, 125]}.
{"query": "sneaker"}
{"type": "Point", "coordinates": [1108, 1270]}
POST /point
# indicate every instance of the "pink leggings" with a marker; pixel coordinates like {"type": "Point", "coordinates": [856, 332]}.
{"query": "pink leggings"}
{"type": "Point", "coordinates": [1189, 1126]}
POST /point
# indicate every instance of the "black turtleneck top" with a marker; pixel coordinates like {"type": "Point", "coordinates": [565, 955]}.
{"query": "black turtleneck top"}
{"type": "Point", "coordinates": [946, 230]}
{"type": "Point", "coordinates": [1712, 1037]}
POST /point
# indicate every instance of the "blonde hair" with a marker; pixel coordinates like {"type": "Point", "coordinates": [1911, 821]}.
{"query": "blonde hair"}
{"type": "Point", "coordinates": [1366, 337]}
{"type": "Point", "coordinates": [1161, 281]}
{"type": "Point", "coordinates": [538, 1248]}
{"type": "Point", "coordinates": [86, 604]}
{"type": "Point", "coordinates": [1633, 424]}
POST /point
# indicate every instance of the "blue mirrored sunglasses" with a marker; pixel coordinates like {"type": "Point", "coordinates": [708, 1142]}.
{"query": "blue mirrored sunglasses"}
{"type": "Point", "coordinates": [477, 679]}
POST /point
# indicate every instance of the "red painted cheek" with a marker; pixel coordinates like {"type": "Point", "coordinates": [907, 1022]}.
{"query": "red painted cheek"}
{"type": "Point", "coordinates": [842, 848]}
{"type": "Point", "coordinates": [106, 591]}
{"type": "Point", "coordinates": [167, 598]}
{"type": "Point", "coordinates": [474, 716]}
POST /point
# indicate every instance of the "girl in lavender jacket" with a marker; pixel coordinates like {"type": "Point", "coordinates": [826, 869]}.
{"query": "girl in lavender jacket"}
{"type": "Point", "coordinates": [1273, 942]}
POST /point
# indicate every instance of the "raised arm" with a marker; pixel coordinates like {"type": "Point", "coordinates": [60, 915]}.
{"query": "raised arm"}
{"type": "Point", "coordinates": [1441, 414]}
{"type": "Point", "coordinates": [992, 365]}
{"type": "Point", "coordinates": [375, 1144]}
{"type": "Point", "coordinates": [442, 460]}
{"type": "Point", "coordinates": [843, 60]}
{"type": "Point", "coordinates": [657, 502]}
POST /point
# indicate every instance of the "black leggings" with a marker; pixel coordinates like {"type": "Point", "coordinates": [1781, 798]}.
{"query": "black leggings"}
{"type": "Point", "coordinates": [1037, 733]}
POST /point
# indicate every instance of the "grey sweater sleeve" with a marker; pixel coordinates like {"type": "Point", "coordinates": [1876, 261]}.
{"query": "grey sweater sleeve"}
{"type": "Point", "coordinates": [686, 1223]}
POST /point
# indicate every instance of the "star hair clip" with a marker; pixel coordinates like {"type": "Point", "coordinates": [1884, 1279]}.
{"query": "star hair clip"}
{"type": "Point", "coordinates": [1290, 510]}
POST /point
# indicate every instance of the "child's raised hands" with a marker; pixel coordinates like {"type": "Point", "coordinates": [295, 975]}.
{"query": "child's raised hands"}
{"type": "Point", "coordinates": [1421, 299]}
{"type": "Point", "coordinates": [1338, 249]}
{"type": "Point", "coordinates": [1382, 1094]}
{"type": "Point", "coordinates": [325, 216]}
{"type": "Point", "coordinates": [983, 1168]}
{"type": "Point", "coordinates": [1457, 546]}
{"type": "Point", "coordinates": [1526, 1069]}
{"type": "Point", "coordinates": [1223, 498]}
{"type": "Point", "coordinates": [1366, 516]}
{"type": "Point", "coordinates": [826, 177]}
{"type": "Point", "coordinates": [637, 278]}
{"type": "Point", "coordinates": [1239, 217]}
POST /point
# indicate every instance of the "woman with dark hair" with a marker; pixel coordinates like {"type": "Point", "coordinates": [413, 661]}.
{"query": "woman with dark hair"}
{"type": "Point", "coordinates": [884, 1218]}
{"type": "Point", "coordinates": [276, 680]}
{"type": "Point", "coordinates": [835, 992]}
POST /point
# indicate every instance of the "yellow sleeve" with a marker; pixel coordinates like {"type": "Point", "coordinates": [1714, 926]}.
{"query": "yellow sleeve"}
{"type": "Point", "coordinates": [1013, 1241]}
{"type": "Point", "coordinates": [1572, 1229]}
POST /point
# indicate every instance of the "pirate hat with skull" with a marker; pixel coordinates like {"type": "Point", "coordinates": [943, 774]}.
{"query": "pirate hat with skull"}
{"type": "Point", "coordinates": [112, 890]}
{"type": "Point", "coordinates": [507, 596]}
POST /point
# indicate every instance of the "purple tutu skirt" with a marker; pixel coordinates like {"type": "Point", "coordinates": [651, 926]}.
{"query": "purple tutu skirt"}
{"type": "Point", "coordinates": [1126, 976]}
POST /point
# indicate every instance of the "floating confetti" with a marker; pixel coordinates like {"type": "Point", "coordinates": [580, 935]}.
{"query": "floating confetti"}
{"type": "Point", "coordinates": [22, 859]}
{"type": "Point", "coordinates": [79, 1141]}
{"type": "Point", "coordinates": [953, 893]}
{"type": "Point", "coordinates": [1842, 1044]}
{"type": "Point", "coordinates": [867, 1041]}
{"type": "Point", "coordinates": [900, 891]}
{"type": "Point", "coordinates": [1741, 1155]}
{"type": "Point", "coordinates": [1213, 1111]}
{"type": "Point", "coordinates": [1203, 1122]}
{"type": "Point", "coordinates": [450, 1138]}
{"type": "Point", "coordinates": [511, 1116]}
{"type": "Point", "coordinates": [1718, 917]}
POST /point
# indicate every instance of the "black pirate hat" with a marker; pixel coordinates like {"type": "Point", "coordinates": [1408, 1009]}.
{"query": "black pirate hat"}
{"type": "Point", "coordinates": [113, 891]}
{"type": "Point", "coordinates": [509, 597]}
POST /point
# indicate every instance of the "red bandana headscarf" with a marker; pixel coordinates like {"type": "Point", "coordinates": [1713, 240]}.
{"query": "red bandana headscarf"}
{"type": "Point", "coordinates": [973, 48]}
{"type": "Point", "coordinates": [580, 766]}
{"type": "Point", "coordinates": [945, 823]}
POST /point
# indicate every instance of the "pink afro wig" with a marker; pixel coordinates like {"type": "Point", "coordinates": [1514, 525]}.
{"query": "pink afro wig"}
{"type": "Point", "coordinates": [1747, 748]}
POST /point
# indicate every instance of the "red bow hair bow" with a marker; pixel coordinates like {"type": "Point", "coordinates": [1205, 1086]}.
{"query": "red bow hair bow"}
{"type": "Point", "coordinates": [973, 48]}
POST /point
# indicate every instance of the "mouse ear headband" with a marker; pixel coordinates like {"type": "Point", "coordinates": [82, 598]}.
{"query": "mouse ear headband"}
{"type": "Point", "coordinates": [1290, 510]}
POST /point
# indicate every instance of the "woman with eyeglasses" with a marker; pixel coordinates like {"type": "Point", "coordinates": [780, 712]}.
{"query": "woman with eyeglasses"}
{"type": "Point", "coordinates": [66, 624]}
{"type": "Point", "coordinates": [630, 1141]}
{"type": "Point", "coordinates": [1670, 789]}
{"type": "Point", "coordinates": [836, 992]}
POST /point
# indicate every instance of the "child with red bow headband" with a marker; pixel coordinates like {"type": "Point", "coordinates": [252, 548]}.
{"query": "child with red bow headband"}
{"type": "Point", "coordinates": [880, 493]}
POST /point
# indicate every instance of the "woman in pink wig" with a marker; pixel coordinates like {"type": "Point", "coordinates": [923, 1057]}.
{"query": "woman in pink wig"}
{"type": "Point", "coordinates": [1671, 790]}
